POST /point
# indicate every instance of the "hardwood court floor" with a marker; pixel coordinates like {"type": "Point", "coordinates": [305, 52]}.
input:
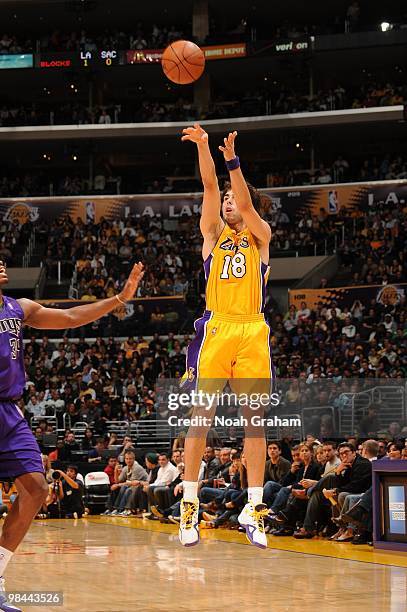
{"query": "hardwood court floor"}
{"type": "Point", "coordinates": [133, 565]}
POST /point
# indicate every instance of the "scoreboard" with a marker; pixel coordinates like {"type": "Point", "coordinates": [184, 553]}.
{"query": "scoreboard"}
{"type": "Point", "coordinates": [84, 59]}
{"type": "Point", "coordinates": [105, 58]}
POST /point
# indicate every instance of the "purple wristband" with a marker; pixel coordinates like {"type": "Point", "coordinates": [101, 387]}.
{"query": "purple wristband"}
{"type": "Point", "coordinates": [233, 164]}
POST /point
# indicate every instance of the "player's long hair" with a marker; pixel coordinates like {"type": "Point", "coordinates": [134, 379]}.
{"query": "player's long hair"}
{"type": "Point", "coordinates": [260, 202]}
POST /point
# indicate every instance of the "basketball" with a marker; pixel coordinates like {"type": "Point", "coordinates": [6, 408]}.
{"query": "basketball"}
{"type": "Point", "coordinates": [183, 62]}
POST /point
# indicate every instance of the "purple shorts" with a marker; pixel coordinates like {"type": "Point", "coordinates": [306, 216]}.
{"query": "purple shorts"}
{"type": "Point", "coordinates": [19, 451]}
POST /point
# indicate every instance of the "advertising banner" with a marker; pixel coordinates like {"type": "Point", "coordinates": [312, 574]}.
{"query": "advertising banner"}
{"type": "Point", "coordinates": [350, 199]}
{"type": "Point", "coordinates": [213, 52]}
{"type": "Point", "coordinates": [16, 61]}
{"type": "Point", "coordinates": [346, 296]}
{"type": "Point", "coordinates": [353, 198]}
{"type": "Point", "coordinates": [136, 317]}
{"type": "Point", "coordinates": [91, 209]}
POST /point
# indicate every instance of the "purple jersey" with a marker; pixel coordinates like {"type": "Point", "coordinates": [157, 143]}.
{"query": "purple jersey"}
{"type": "Point", "coordinates": [12, 374]}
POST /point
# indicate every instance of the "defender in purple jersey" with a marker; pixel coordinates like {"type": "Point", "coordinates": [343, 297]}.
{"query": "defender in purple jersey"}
{"type": "Point", "coordinates": [20, 456]}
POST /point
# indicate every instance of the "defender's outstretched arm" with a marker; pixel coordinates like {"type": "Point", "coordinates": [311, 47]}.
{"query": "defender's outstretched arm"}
{"type": "Point", "coordinates": [40, 317]}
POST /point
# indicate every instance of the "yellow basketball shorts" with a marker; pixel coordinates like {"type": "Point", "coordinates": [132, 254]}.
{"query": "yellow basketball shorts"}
{"type": "Point", "coordinates": [229, 347]}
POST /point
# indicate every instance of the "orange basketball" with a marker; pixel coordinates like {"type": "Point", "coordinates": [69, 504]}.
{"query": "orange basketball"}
{"type": "Point", "coordinates": [183, 62]}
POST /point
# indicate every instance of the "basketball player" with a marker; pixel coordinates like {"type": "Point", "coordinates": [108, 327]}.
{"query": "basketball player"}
{"type": "Point", "coordinates": [20, 456]}
{"type": "Point", "coordinates": [232, 337]}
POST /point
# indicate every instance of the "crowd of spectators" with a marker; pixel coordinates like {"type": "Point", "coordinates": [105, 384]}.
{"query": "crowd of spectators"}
{"type": "Point", "coordinates": [245, 28]}
{"type": "Point", "coordinates": [375, 252]}
{"type": "Point", "coordinates": [311, 487]}
{"type": "Point", "coordinates": [14, 237]}
{"type": "Point", "coordinates": [85, 40]}
{"type": "Point", "coordinates": [271, 99]}
{"type": "Point", "coordinates": [320, 355]}
{"type": "Point", "coordinates": [102, 254]}
{"type": "Point", "coordinates": [264, 174]}
{"type": "Point", "coordinates": [339, 170]}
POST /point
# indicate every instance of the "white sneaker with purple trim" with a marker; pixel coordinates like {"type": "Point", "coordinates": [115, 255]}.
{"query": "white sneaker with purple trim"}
{"type": "Point", "coordinates": [188, 527]}
{"type": "Point", "coordinates": [252, 519]}
{"type": "Point", "coordinates": [4, 605]}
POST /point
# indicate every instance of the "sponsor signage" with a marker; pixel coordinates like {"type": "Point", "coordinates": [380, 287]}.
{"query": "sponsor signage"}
{"type": "Point", "coordinates": [16, 61]}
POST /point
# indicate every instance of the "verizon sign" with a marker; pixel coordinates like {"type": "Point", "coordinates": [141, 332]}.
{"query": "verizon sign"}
{"type": "Point", "coordinates": [292, 46]}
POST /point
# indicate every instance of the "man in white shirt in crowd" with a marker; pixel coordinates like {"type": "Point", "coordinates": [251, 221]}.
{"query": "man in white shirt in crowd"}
{"type": "Point", "coordinates": [349, 329]}
{"type": "Point", "coordinates": [55, 401]}
{"type": "Point", "coordinates": [35, 408]}
{"type": "Point", "coordinates": [158, 493]}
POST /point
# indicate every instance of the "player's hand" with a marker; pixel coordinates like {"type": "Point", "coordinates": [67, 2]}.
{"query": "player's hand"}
{"type": "Point", "coordinates": [133, 282]}
{"type": "Point", "coordinates": [195, 134]}
{"type": "Point", "coordinates": [229, 149]}
{"type": "Point", "coordinates": [3, 273]}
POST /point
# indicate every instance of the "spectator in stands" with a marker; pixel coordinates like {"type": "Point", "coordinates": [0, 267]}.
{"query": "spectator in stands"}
{"type": "Point", "coordinates": [353, 475]}
{"type": "Point", "coordinates": [361, 515]}
{"type": "Point", "coordinates": [394, 451]}
{"type": "Point", "coordinates": [88, 441]}
{"type": "Point", "coordinates": [46, 462]}
{"type": "Point", "coordinates": [70, 443]}
{"type": "Point", "coordinates": [295, 500]}
{"type": "Point", "coordinates": [228, 508]}
{"type": "Point", "coordinates": [211, 465]}
{"type": "Point", "coordinates": [8, 494]}
{"type": "Point", "coordinates": [65, 495]}
{"type": "Point", "coordinates": [138, 500]}
{"type": "Point", "coordinates": [276, 469]}
{"type": "Point", "coordinates": [110, 469]}
{"type": "Point", "coordinates": [174, 495]}
{"type": "Point", "coordinates": [132, 475]}
{"type": "Point", "coordinates": [370, 424]}
{"type": "Point", "coordinates": [159, 493]}
{"type": "Point", "coordinates": [127, 445]}
{"type": "Point", "coordinates": [96, 454]}
{"type": "Point", "coordinates": [61, 453]}
{"type": "Point", "coordinates": [176, 457]}
{"type": "Point", "coordinates": [346, 533]}
{"type": "Point", "coordinates": [211, 487]}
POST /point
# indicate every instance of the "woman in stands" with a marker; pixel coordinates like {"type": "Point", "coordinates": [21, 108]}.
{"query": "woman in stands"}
{"type": "Point", "coordinates": [295, 509]}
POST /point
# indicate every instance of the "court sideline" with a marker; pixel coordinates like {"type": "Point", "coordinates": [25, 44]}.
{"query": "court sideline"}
{"type": "Point", "coordinates": [139, 565]}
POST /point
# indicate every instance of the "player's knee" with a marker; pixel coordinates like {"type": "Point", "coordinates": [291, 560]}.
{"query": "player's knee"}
{"type": "Point", "coordinates": [40, 492]}
{"type": "Point", "coordinates": [43, 491]}
{"type": "Point", "coordinates": [34, 488]}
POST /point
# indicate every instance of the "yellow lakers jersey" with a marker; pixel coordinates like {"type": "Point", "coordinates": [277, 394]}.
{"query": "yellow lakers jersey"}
{"type": "Point", "coordinates": [235, 275]}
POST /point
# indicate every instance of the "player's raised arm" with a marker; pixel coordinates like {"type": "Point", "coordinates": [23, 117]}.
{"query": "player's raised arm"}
{"type": "Point", "coordinates": [258, 227]}
{"type": "Point", "coordinates": [211, 223]}
{"type": "Point", "coordinates": [40, 317]}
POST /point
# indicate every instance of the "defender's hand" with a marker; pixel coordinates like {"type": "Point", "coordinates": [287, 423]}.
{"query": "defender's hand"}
{"type": "Point", "coordinates": [229, 149]}
{"type": "Point", "coordinates": [195, 134]}
{"type": "Point", "coordinates": [133, 282]}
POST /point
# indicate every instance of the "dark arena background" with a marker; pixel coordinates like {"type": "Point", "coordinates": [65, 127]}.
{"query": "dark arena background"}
{"type": "Point", "coordinates": [94, 178]}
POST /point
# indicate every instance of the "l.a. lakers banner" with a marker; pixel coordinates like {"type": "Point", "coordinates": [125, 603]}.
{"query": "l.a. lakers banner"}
{"type": "Point", "coordinates": [353, 199]}
{"type": "Point", "coordinates": [92, 209]}
{"type": "Point", "coordinates": [346, 296]}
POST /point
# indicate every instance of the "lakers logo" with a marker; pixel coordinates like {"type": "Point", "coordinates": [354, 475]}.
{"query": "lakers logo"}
{"type": "Point", "coordinates": [22, 213]}
{"type": "Point", "coordinates": [390, 295]}
{"type": "Point", "coordinates": [124, 312]}
{"type": "Point", "coordinates": [191, 374]}
{"type": "Point", "coordinates": [231, 245]}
